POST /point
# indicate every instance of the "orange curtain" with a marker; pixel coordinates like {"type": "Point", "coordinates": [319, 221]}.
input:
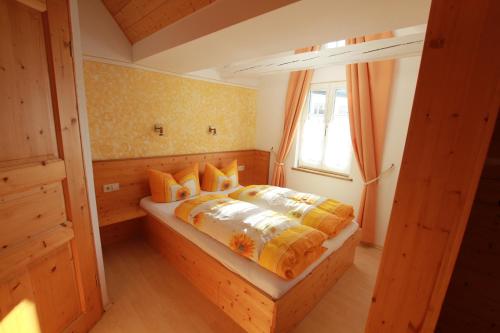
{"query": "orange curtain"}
{"type": "Point", "coordinates": [298, 87]}
{"type": "Point", "coordinates": [368, 90]}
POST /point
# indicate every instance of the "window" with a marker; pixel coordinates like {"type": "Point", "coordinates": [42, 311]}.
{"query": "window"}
{"type": "Point", "coordinates": [324, 140]}
{"type": "Point", "coordinates": [335, 44]}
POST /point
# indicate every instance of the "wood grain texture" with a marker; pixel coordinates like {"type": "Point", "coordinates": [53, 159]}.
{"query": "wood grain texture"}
{"type": "Point", "coordinates": [23, 216]}
{"type": "Point", "coordinates": [39, 5]}
{"type": "Point", "coordinates": [17, 257]}
{"type": "Point", "coordinates": [149, 295]}
{"type": "Point", "coordinates": [302, 298]}
{"type": "Point", "coordinates": [248, 306]}
{"type": "Point", "coordinates": [45, 231]}
{"type": "Point", "coordinates": [24, 86]}
{"type": "Point", "coordinates": [29, 175]}
{"type": "Point", "coordinates": [141, 18]}
{"type": "Point", "coordinates": [472, 302]}
{"type": "Point", "coordinates": [54, 282]}
{"type": "Point", "coordinates": [58, 35]}
{"type": "Point", "coordinates": [17, 305]}
{"type": "Point", "coordinates": [70, 149]}
{"type": "Point", "coordinates": [120, 232]}
{"type": "Point", "coordinates": [253, 310]}
{"type": "Point", "coordinates": [454, 111]}
{"type": "Point", "coordinates": [131, 174]}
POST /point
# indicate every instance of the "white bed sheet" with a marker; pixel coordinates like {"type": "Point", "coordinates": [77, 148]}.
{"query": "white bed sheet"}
{"type": "Point", "coordinates": [268, 282]}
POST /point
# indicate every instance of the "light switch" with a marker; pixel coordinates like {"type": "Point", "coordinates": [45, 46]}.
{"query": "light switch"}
{"type": "Point", "coordinates": [241, 168]}
{"type": "Point", "coordinates": [111, 187]}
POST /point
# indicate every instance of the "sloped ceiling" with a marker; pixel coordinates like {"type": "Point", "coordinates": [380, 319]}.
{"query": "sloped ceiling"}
{"type": "Point", "coordinates": [141, 18]}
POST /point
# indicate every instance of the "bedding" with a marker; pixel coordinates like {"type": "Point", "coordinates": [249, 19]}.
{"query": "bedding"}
{"type": "Point", "coordinates": [324, 214]}
{"type": "Point", "coordinates": [167, 188]}
{"type": "Point", "coordinates": [277, 243]}
{"type": "Point", "coordinates": [263, 279]}
{"type": "Point", "coordinates": [220, 180]}
{"type": "Point", "coordinates": [190, 178]}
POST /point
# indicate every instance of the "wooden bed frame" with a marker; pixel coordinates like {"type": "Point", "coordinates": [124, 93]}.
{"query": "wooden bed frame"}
{"type": "Point", "coordinates": [247, 305]}
{"type": "Point", "coordinates": [250, 307]}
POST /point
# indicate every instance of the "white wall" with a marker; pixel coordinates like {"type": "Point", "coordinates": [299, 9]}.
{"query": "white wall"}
{"type": "Point", "coordinates": [87, 159]}
{"type": "Point", "coordinates": [405, 79]}
{"type": "Point", "coordinates": [103, 40]}
{"type": "Point", "coordinates": [100, 34]}
{"type": "Point", "coordinates": [270, 106]}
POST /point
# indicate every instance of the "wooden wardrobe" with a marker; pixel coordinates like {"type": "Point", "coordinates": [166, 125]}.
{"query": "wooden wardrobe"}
{"type": "Point", "coordinates": [48, 273]}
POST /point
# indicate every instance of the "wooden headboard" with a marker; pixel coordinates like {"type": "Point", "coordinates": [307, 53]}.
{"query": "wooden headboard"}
{"type": "Point", "coordinates": [131, 175]}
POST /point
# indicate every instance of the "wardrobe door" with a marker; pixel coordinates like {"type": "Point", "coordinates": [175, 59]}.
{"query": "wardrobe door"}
{"type": "Point", "coordinates": [48, 273]}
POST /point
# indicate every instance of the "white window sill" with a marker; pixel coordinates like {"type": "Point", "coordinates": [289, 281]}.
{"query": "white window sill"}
{"type": "Point", "coordinates": [324, 173]}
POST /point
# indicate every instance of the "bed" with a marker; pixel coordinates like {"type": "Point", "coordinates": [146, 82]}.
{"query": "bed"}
{"type": "Point", "coordinates": [253, 297]}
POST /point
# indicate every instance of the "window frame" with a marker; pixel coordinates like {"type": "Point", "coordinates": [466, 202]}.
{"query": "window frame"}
{"type": "Point", "coordinates": [330, 88]}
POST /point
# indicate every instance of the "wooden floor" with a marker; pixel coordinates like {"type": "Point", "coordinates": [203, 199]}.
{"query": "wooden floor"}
{"type": "Point", "coordinates": [149, 296]}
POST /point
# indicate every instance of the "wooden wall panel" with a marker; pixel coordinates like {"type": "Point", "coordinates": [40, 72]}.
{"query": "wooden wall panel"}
{"type": "Point", "coordinates": [119, 232]}
{"type": "Point", "coordinates": [454, 111]}
{"type": "Point", "coordinates": [472, 302]}
{"type": "Point", "coordinates": [54, 285]}
{"type": "Point", "coordinates": [48, 277]}
{"type": "Point", "coordinates": [24, 88]}
{"type": "Point", "coordinates": [23, 216]}
{"type": "Point", "coordinates": [26, 176]}
{"type": "Point", "coordinates": [131, 174]}
{"type": "Point", "coordinates": [18, 309]}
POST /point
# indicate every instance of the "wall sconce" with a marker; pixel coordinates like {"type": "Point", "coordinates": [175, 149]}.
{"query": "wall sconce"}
{"type": "Point", "coordinates": [159, 129]}
{"type": "Point", "coordinates": [212, 130]}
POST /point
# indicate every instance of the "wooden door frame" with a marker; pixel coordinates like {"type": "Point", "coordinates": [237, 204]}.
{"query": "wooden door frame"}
{"type": "Point", "coordinates": [86, 149]}
{"type": "Point", "coordinates": [67, 118]}
{"type": "Point", "coordinates": [453, 117]}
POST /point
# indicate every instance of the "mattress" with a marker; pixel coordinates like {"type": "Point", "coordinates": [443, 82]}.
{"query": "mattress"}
{"type": "Point", "coordinates": [266, 281]}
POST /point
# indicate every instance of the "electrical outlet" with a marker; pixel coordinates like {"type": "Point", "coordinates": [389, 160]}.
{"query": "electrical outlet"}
{"type": "Point", "coordinates": [111, 187]}
{"type": "Point", "coordinates": [241, 168]}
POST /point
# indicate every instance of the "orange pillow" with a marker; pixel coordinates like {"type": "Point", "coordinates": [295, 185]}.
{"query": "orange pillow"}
{"type": "Point", "coordinates": [220, 180]}
{"type": "Point", "coordinates": [167, 188]}
{"type": "Point", "coordinates": [189, 177]}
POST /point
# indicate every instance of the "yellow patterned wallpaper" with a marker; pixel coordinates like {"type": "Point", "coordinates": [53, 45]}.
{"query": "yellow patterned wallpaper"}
{"type": "Point", "coordinates": [124, 104]}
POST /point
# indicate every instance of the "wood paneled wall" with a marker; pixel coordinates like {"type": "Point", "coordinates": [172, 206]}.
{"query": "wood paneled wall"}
{"type": "Point", "coordinates": [131, 174]}
{"type": "Point", "coordinates": [472, 302]}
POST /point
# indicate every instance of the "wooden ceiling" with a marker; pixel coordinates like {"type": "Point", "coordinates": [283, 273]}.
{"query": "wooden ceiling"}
{"type": "Point", "coordinates": [141, 18]}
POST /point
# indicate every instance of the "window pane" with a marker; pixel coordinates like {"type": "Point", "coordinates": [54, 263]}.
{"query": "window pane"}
{"type": "Point", "coordinates": [338, 147]}
{"type": "Point", "coordinates": [340, 103]}
{"type": "Point", "coordinates": [312, 142]}
{"type": "Point", "coordinates": [335, 44]}
{"type": "Point", "coordinates": [317, 104]}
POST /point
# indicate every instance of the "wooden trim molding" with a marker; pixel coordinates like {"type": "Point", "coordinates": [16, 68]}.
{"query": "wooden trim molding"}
{"type": "Point", "coordinates": [38, 173]}
{"type": "Point", "coordinates": [19, 256]}
{"type": "Point", "coordinates": [247, 305]}
{"type": "Point", "coordinates": [39, 5]}
{"type": "Point", "coordinates": [454, 112]}
{"type": "Point", "coordinates": [58, 36]}
{"type": "Point", "coordinates": [131, 175]}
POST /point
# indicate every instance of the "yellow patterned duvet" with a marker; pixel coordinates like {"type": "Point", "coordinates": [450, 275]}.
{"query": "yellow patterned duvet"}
{"type": "Point", "coordinates": [277, 243]}
{"type": "Point", "coordinates": [328, 215]}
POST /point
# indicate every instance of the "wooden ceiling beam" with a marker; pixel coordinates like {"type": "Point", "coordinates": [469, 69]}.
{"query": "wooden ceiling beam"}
{"type": "Point", "coordinates": [223, 33]}
{"type": "Point", "coordinates": [382, 49]}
